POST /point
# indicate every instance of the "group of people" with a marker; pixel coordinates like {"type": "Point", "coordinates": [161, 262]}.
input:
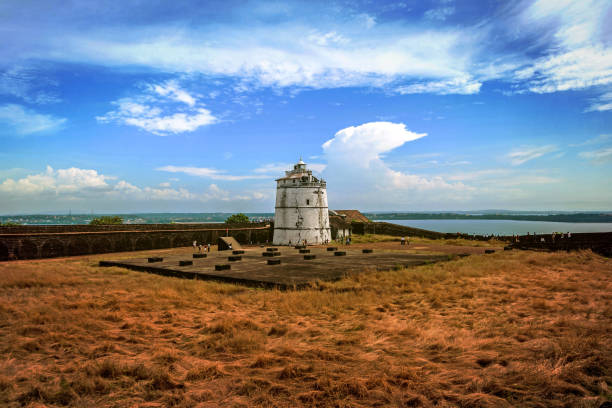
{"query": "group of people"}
{"type": "Point", "coordinates": [201, 247]}
{"type": "Point", "coordinates": [554, 236]}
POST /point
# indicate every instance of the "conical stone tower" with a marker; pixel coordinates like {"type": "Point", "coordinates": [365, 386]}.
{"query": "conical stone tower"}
{"type": "Point", "coordinates": [301, 214]}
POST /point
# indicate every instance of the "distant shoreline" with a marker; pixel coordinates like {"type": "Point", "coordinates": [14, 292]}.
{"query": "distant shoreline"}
{"type": "Point", "coordinates": [570, 218]}
{"type": "Point", "coordinates": [217, 217]}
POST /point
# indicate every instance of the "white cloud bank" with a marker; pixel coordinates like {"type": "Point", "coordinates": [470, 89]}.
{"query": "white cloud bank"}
{"type": "Point", "coordinates": [161, 109]}
{"type": "Point", "coordinates": [53, 190]}
{"type": "Point", "coordinates": [63, 181]}
{"type": "Point", "coordinates": [16, 120]}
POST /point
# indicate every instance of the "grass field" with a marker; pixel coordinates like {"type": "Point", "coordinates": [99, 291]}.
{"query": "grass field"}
{"type": "Point", "coordinates": [507, 329]}
{"type": "Point", "coordinates": [375, 238]}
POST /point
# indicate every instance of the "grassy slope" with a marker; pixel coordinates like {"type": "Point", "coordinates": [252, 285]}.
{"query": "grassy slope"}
{"type": "Point", "coordinates": [519, 328]}
{"type": "Point", "coordinates": [374, 238]}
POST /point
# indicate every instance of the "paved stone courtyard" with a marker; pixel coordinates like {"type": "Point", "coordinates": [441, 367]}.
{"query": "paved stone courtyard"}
{"type": "Point", "coordinates": [293, 271]}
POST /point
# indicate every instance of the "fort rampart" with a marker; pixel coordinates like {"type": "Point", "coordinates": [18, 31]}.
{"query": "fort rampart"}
{"type": "Point", "coordinates": [47, 241]}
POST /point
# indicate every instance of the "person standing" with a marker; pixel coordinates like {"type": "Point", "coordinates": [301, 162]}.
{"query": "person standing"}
{"type": "Point", "coordinates": [195, 244]}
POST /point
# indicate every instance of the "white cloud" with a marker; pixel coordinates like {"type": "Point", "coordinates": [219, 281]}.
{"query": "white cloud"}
{"type": "Point", "coordinates": [602, 155]}
{"type": "Point", "coordinates": [207, 172]}
{"type": "Point", "coordinates": [518, 157]}
{"type": "Point", "coordinates": [285, 55]}
{"type": "Point", "coordinates": [164, 184]}
{"type": "Point", "coordinates": [357, 171]}
{"type": "Point", "coordinates": [63, 181]}
{"type": "Point", "coordinates": [575, 69]}
{"type": "Point", "coordinates": [20, 121]}
{"type": "Point", "coordinates": [366, 142]}
{"type": "Point", "coordinates": [172, 90]}
{"type": "Point", "coordinates": [125, 187]}
{"type": "Point", "coordinates": [151, 110]}
{"type": "Point", "coordinates": [54, 189]}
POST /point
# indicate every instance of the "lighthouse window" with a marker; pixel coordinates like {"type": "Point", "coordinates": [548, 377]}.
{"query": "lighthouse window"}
{"type": "Point", "coordinates": [307, 202]}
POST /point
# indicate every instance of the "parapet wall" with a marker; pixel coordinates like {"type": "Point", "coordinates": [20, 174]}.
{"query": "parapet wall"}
{"type": "Point", "coordinates": [30, 242]}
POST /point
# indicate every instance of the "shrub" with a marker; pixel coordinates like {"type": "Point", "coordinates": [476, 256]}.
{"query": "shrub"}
{"type": "Point", "coordinates": [107, 220]}
{"type": "Point", "coordinates": [239, 218]}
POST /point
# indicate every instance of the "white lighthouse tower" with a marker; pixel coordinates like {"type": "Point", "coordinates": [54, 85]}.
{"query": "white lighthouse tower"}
{"type": "Point", "coordinates": [301, 213]}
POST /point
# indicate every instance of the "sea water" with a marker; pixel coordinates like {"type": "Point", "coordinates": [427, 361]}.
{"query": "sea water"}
{"type": "Point", "coordinates": [503, 227]}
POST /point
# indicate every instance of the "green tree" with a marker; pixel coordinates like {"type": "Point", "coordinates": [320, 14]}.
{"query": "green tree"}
{"type": "Point", "coordinates": [107, 220]}
{"type": "Point", "coordinates": [239, 218]}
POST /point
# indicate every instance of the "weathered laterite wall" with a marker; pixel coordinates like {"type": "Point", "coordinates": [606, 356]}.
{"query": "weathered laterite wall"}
{"type": "Point", "coordinates": [29, 242]}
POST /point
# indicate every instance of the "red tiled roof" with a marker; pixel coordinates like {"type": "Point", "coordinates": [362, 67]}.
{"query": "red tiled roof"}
{"type": "Point", "coordinates": [353, 215]}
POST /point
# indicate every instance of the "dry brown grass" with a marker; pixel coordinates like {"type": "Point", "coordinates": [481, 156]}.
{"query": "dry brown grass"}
{"type": "Point", "coordinates": [508, 329]}
{"type": "Point", "coordinates": [377, 238]}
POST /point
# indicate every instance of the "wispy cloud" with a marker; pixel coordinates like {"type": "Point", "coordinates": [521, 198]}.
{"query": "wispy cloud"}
{"type": "Point", "coordinates": [208, 173]}
{"type": "Point", "coordinates": [460, 85]}
{"type": "Point", "coordinates": [578, 56]}
{"type": "Point", "coordinates": [28, 84]}
{"type": "Point", "coordinates": [600, 156]}
{"type": "Point", "coordinates": [439, 13]}
{"type": "Point", "coordinates": [342, 46]}
{"type": "Point", "coordinates": [161, 109]}
{"type": "Point", "coordinates": [594, 140]}
{"type": "Point", "coordinates": [518, 157]}
{"type": "Point", "coordinates": [17, 120]}
{"type": "Point", "coordinates": [278, 169]}
{"type": "Point", "coordinates": [601, 104]}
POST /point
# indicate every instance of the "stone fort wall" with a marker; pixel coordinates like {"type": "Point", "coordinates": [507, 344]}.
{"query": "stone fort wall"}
{"type": "Point", "coordinates": [47, 241]}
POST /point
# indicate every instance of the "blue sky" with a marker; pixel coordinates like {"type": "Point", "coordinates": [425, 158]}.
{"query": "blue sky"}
{"type": "Point", "coordinates": [409, 105]}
